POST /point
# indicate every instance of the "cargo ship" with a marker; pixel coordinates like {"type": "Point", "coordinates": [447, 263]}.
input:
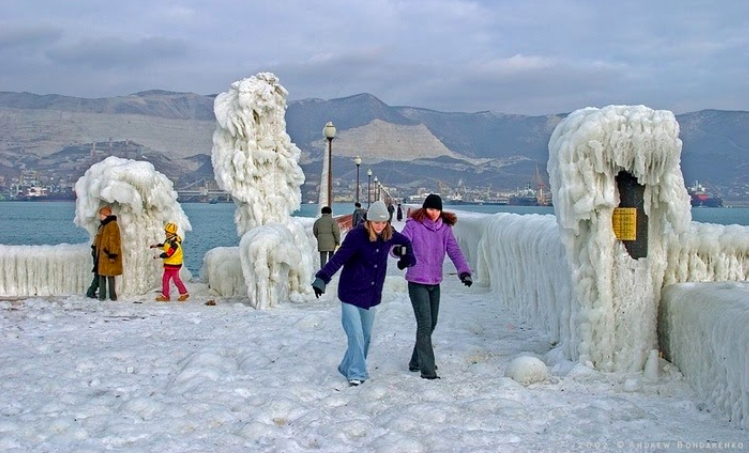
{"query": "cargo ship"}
{"type": "Point", "coordinates": [699, 197]}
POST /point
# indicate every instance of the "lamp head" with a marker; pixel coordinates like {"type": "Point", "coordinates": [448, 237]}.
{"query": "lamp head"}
{"type": "Point", "coordinates": [329, 131]}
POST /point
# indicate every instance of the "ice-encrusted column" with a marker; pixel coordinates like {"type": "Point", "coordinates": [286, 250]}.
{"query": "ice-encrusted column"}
{"type": "Point", "coordinates": [143, 200]}
{"type": "Point", "coordinates": [256, 162]}
{"type": "Point", "coordinates": [618, 295]}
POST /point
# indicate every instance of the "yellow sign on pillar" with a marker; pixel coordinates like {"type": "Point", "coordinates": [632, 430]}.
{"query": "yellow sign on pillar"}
{"type": "Point", "coordinates": [624, 222]}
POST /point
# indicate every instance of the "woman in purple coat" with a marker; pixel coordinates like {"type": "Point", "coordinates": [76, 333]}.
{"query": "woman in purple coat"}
{"type": "Point", "coordinates": [431, 234]}
{"type": "Point", "coordinates": [363, 256]}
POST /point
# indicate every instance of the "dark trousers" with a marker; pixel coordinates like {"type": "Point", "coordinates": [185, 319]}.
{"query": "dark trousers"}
{"type": "Point", "coordinates": [425, 300]}
{"type": "Point", "coordinates": [91, 291]}
{"type": "Point", "coordinates": [325, 257]}
{"type": "Point", "coordinates": [103, 281]}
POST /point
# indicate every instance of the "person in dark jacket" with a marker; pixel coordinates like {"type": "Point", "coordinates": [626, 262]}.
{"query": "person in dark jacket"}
{"type": "Point", "coordinates": [328, 234]}
{"type": "Point", "coordinates": [107, 246]}
{"type": "Point", "coordinates": [363, 256]}
{"type": "Point", "coordinates": [430, 231]}
{"type": "Point", "coordinates": [358, 216]}
{"type": "Point", "coordinates": [94, 286]}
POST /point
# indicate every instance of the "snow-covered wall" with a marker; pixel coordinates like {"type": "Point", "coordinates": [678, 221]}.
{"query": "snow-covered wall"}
{"type": "Point", "coordinates": [44, 270]}
{"type": "Point", "coordinates": [703, 330]}
{"type": "Point", "coordinates": [222, 269]}
{"type": "Point", "coordinates": [708, 253]}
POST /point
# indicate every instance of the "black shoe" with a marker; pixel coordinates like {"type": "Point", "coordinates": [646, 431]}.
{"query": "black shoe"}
{"type": "Point", "coordinates": [430, 377]}
{"type": "Point", "coordinates": [415, 369]}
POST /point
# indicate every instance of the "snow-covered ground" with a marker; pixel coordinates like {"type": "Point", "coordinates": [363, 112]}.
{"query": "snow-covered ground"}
{"type": "Point", "coordinates": [136, 375]}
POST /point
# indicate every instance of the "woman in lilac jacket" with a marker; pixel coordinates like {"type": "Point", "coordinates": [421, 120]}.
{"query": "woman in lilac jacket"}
{"type": "Point", "coordinates": [363, 256]}
{"type": "Point", "coordinates": [431, 234]}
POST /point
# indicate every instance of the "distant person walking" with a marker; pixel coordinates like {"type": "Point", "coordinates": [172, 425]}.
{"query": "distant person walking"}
{"type": "Point", "coordinates": [391, 211]}
{"type": "Point", "coordinates": [431, 234]}
{"type": "Point", "coordinates": [358, 216]}
{"type": "Point", "coordinates": [363, 256]}
{"type": "Point", "coordinates": [328, 234]}
{"type": "Point", "coordinates": [399, 213]}
{"type": "Point", "coordinates": [172, 256]}
{"type": "Point", "coordinates": [94, 286]}
{"type": "Point", "coordinates": [108, 248]}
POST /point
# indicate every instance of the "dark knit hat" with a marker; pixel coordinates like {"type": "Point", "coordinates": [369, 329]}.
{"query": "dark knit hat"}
{"type": "Point", "coordinates": [432, 201]}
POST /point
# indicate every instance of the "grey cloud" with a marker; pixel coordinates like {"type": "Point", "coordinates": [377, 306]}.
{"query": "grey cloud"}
{"type": "Point", "coordinates": [454, 55]}
{"type": "Point", "coordinates": [25, 38]}
{"type": "Point", "coordinates": [107, 53]}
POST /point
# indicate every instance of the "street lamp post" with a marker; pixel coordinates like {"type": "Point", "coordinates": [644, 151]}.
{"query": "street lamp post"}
{"type": "Point", "coordinates": [369, 191]}
{"type": "Point", "coordinates": [357, 161]}
{"type": "Point", "coordinates": [329, 133]}
{"type": "Point", "coordinates": [377, 184]}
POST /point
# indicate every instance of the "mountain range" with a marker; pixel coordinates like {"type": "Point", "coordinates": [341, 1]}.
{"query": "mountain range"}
{"type": "Point", "coordinates": [406, 146]}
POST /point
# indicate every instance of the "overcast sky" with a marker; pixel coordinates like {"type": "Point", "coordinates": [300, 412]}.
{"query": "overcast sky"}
{"type": "Point", "coordinates": [510, 56]}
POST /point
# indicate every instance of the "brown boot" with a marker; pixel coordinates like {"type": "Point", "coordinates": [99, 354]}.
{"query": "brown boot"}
{"type": "Point", "coordinates": [183, 297]}
{"type": "Point", "coordinates": [162, 298]}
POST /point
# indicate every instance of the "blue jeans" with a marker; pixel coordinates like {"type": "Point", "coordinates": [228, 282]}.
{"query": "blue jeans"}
{"type": "Point", "coordinates": [357, 323]}
{"type": "Point", "coordinates": [425, 300]}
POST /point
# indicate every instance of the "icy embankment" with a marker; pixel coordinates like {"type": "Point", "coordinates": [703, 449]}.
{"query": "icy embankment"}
{"type": "Point", "coordinates": [45, 270]}
{"type": "Point", "coordinates": [703, 330]}
{"type": "Point", "coordinates": [708, 253]}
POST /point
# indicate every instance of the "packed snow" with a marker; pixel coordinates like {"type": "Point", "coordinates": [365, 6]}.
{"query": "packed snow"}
{"type": "Point", "coordinates": [137, 375]}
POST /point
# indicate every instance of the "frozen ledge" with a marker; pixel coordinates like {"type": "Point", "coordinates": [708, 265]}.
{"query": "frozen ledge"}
{"type": "Point", "coordinates": [702, 329]}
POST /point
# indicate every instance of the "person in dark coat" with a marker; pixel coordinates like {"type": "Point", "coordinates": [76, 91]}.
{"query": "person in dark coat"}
{"type": "Point", "coordinates": [94, 286]}
{"type": "Point", "coordinates": [399, 212]}
{"type": "Point", "coordinates": [358, 216]}
{"type": "Point", "coordinates": [363, 256]}
{"type": "Point", "coordinates": [108, 250]}
{"type": "Point", "coordinates": [391, 211]}
{"type": "Point", "coordinates": [328, 234]}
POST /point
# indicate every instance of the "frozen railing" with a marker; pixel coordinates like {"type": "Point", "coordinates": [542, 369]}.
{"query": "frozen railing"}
{"type": "Point", "coordinates": [45, 270]}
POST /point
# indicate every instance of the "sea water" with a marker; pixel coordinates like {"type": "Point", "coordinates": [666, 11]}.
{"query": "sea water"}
{"type": "Point", "coordinates": [51, 223]}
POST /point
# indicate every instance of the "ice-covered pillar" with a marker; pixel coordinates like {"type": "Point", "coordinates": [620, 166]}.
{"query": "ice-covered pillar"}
{"type": "Point", "coordinates": [256, 162]}
{"type": "Point", "coordinates": [143, 201]}
{"type": "Point", "coordinates": [618, 294]}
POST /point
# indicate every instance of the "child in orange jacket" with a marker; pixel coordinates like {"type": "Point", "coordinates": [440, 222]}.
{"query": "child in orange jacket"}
{"type": "Point", "coordinates": [172, 256]}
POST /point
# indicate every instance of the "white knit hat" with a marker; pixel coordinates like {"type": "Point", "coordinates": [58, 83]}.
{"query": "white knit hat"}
{"type": "Point", "coordinates": [378, 212]}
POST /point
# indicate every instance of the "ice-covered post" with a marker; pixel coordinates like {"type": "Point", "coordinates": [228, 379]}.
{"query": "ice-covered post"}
{"type": "Point", "coordinates": [618, 293]}
{"type": "Point", "coordinates": [256, 162]}
{"type": "Point", "coordinates": [143, 201]}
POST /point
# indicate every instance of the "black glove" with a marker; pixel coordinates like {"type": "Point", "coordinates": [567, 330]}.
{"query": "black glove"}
{"type": "Point", "coordinates": [319, 286]}
{"type": "Point", "coordinates": [399, 250]}
{"type": "Point", "coordinates": [466, 279]}
{"type": "Point", "coordinates": [405, 262]}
